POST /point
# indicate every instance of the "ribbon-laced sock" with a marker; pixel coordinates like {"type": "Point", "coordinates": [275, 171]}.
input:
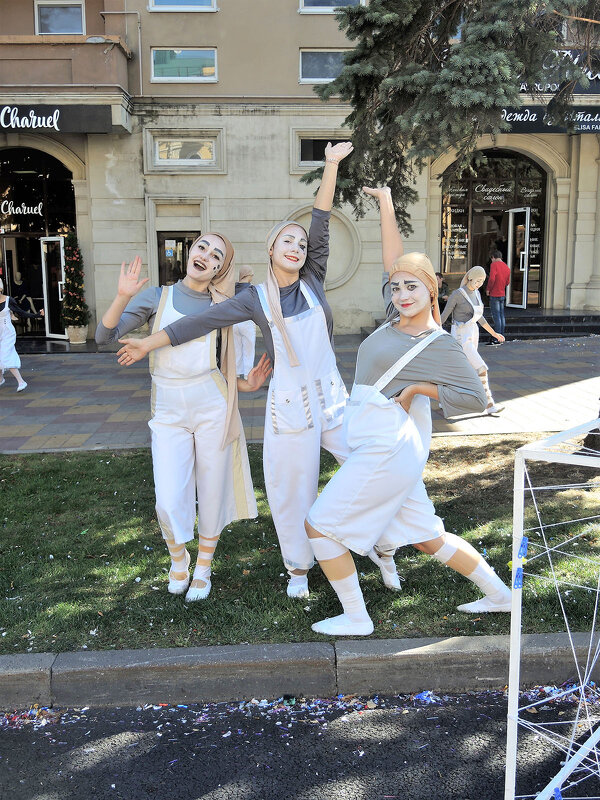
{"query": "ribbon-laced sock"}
{"type": "Point", "coordinates": [201, 585]}
{"type": "Point", "coordinates": [178, 574]}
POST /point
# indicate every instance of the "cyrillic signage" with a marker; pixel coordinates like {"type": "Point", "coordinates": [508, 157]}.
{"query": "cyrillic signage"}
{"type": "Point", "coordinates": [62, 119]}
{"type": "Point", "coordinates": [532, 119]}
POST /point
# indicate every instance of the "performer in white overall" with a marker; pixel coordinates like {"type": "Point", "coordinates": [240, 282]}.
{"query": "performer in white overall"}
{"type": "Point", "coordinates": [377, 497]}
{"type": "Point", "coordinates": [198, 446]}
{"type": "Point", "coordinates": [9, 358]}
{"type": "Point", "coordinates": [244, 333]}
{"type": "Point", "coordinates": [306, 394]}
{"type": "Point", "coordinates": [466, 306]}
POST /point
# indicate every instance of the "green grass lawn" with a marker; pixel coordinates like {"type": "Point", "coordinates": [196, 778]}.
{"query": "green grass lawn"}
{"type": "Point", "coordinates": [82, 562]}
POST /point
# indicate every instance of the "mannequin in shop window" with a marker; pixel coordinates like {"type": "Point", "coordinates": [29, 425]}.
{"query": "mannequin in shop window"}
{"type": "Point", "coordinates": [9, 358]}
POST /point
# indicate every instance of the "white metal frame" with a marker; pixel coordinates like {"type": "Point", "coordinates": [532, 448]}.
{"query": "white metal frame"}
{"type": "Point", "coordinates": [317, 50]}
{"type": "Point", "coordinates": [536, 451]}
{"type": "Point", "coordinates": [524, 255]}
{"type": "Point", "coordinates": [175, 6]}
{"type": "Point", "coordinates": [49, 3]}
{"type": "Point", "coordinates": [191, 79]}
{"type": "Point", "coordinates": [61, 283]}
{"type": "Point", "coordinates": [302, 9]}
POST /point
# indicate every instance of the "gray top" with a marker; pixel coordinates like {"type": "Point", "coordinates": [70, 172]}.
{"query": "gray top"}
{"type": "Point", "coordinates": [459, 306]}
{"type": "Point", "coordinates": [443, 362]}
{"type": "Point", "coordinates": [246, 305]}
{"type": "Point", "coordinates": [143, 307]}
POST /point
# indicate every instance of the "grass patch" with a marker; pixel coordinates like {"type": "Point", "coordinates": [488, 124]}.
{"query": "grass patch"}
{"type": "Point", "coordinates": [82, 562]}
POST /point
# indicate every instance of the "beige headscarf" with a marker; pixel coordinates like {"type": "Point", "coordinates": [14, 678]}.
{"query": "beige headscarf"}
{"type": "Point", "coordinates": [244, 273]}
{"type": "Point", "coordinates": [221, 288]}
{"type": "Point", "coordinates": [419, 265]}
{"type": "Point", "coordinates": [473, 274]}
{"type": "Point", "coordinates": [273, 296]}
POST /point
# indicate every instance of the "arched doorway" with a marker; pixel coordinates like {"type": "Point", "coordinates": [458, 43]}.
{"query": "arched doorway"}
{"type": "Point", "coordinates": [37, 209]}
{"type": "Point", "coordinates": [500, 208]}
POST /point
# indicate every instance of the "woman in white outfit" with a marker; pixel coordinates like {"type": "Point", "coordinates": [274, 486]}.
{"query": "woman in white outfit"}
{"type": "Point", "coordinates": [377, 497]}
{"type": "Point", "coordinates": [9, 358]}
{"type": "Point", "coordinates": [306, 394]}
{"type": "Point", "coordinates": [198, 447]}
{"type": "Point", "coordinates": [466, 306]}
{"type": "Point", "coordinates": [244, 333]}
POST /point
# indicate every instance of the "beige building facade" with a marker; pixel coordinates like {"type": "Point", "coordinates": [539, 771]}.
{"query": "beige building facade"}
{"type": "Point", "coordinates": [140, 124]}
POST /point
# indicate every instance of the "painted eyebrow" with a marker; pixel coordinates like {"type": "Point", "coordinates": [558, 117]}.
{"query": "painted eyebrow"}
{"type": "Point", "coordinates": [406, 283]}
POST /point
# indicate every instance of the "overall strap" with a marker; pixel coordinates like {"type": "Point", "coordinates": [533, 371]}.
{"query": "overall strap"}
{"type": "Point", "coordinates": [308, 296]}
{"type": "Point", "coordinates": [262, 296]}
{"type": "Point", "coordinates": [463, 290]}
{"type": "Point", "coordinates": [164, 296]}
{"type": "Point", "coordinates": [407, 358]}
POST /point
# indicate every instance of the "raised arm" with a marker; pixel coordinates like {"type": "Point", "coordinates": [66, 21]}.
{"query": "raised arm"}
{"type": "Point", "coordinates": [333, 155]}
{"type": "Point", "coordinates": [392, 245]}
{"type": "Point", "coordinates": [129, 285]}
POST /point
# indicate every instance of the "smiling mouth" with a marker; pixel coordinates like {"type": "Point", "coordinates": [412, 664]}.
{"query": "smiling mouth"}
{"type": "Point", "coordinates": [199, 266]}
{"type": "Point", "coordinates": [295, 259]}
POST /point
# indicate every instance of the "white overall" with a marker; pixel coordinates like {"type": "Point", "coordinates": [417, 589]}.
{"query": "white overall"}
{"type": "Point", "coordinates": [9, 358]}
{"type": "Point", "coordinates": [377, 496]}
{"type": "Point", "coordinates": [189, 408]}
{"type": "Point", "coordinates": [467, 334]}
{"type": "Point", "coordinates": [305, 405]}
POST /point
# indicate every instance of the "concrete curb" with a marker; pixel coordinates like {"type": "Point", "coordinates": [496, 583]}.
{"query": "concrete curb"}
{"type": "Point", "coordinates": [314, 669]}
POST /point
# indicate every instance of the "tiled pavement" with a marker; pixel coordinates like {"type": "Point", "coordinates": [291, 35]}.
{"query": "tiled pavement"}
{"type": "Point", "coordinates": [80, 401]}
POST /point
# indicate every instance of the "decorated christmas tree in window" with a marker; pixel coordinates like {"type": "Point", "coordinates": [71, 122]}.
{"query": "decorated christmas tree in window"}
{"type": "Point", "coordinates": [75, 311]}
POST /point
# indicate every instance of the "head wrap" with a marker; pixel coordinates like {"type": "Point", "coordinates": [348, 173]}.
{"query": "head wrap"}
{"type": "Point", "coordinates": [245, 272]}
{"type": "Point", "coordinates": [473, 274]}
{"type": "Point", "coordinates": [419, 265]}
{"type": "Point", "coordinates": [221, 288]}
{"type": "Point", "coordinates": [273, 296]}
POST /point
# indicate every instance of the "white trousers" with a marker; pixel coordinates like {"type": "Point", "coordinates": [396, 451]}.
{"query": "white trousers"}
{"type": "Point", "coordinates": [188, 462]}
{"type": "Point", "coordinates": [467, 335]}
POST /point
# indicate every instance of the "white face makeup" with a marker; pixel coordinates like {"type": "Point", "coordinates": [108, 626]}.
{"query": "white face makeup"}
{"type": "Point", "coordinates": [410, 296]}
{"type": "Point", "coordinates": [476, 283]}
{"type": "Point", "coordinates": [288, 253]}
{"type": "Point", "coordinates": [206, 258]}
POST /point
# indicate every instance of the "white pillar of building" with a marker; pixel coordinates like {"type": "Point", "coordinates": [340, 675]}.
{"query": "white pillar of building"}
{"type": "Point", "coordinates": [585, 223]}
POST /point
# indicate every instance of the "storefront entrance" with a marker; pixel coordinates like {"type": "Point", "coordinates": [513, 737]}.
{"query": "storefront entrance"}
{"type": "Point", "coordinates": [502, 208]}
{"type": "Point", "coordinates": [37, 209]}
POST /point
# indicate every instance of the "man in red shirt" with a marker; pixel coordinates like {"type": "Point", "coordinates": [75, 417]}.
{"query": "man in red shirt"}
{"type": "Point", "coordinates": [496, 289]}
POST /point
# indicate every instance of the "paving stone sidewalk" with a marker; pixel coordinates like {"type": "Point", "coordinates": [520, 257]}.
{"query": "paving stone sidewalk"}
{"type": "Point", "coordinates": [83, 401]}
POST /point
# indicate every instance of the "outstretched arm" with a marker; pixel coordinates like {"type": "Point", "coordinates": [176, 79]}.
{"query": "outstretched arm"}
{"type": "Point", "coordinates": [392, 245]}
{"type": "Point", "coordinates": [257, 376]}
{"type": "Point", "coordinates": [129, 285]}
{"type": "Point", "coordinates": [333, 155]}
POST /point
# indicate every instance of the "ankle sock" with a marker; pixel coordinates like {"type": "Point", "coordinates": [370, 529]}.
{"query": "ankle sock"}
{"type": "Point", "coordinates": [351, 597]}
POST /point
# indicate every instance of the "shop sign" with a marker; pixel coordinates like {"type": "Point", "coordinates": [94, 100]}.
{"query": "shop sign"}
{"type": "Point", "coordinates": [7, 207]}
{"type": "Point", "coordinates": [533, 119]}
{"type": "Point", "coordinates": [63, 119]}
{"type": "Point", "coordinates": [551, 87]}
{"type": "Point", "coordinates": [493, 192]}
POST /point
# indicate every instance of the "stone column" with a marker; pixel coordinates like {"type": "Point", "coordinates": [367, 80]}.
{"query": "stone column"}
{"type": "Point", "coordinates": [586, 222]}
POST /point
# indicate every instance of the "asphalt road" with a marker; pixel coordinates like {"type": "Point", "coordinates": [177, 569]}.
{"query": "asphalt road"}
{"type": "Point", "coordinates": [347, 748]}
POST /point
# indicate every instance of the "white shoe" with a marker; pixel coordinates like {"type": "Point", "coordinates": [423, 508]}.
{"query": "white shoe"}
{"type": "Point", "coordinates": [21, 386]}
{"type": "Point", "coordinates": [298, 586]}
{"type": "Point", "coordinates": [195, 593]}
{"type": "Point", "coordinates": [494, 409]}
{"type": "Point", "coordinates": [179, 586]}
{"type": "Point", "coordinates": [343, 626]}
{"type": "Point", "coordinates": [485, 606]}
{"type": "Point", "coordinates": [390, 576]}
{"type": "Point", "coordinates": [3, 381]}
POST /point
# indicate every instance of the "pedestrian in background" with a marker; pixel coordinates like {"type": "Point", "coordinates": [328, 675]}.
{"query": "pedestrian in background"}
{"type": "Point", "coordinates": [496, 291]}
{"type": "Point", "coordinates": [9, 358]}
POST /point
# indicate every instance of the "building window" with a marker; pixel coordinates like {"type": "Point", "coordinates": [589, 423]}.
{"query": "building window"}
{"type": "Point", "coordinates": [312, 151]}
{"type": "Point", "coordinates": [59, 17]}
{"type": "Point", "coordinates": [185, 64]}
{"type": "Point", "coordinates": [307, 146]}
{"type": "Point", "coordinates": [326, 6]}
{"type": "Point", "coordinates": [176, 151]}
{"type": "Point", "coordinates": [320, 66]}
{"type": "Point", "coordinates": [182, 5]}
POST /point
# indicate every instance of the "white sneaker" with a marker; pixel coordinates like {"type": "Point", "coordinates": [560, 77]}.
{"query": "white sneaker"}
{"type": "Point", "coordinates": [297, 586]}
{"type": "Point", "coordinates": [343, 626]}
{"type": "Point", "coordinates": [21, 386]}
{"type": "Point", "coordinates": [388, 570]}
{"type": "Point", "coordinates": [484, 606]}
{"type": "Point", "coordinates": [494, 409]}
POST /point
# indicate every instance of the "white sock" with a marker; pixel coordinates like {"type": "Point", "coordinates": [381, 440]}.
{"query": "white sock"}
{"type": "Point", "coordinates": [490, 584]}
{"type": "Point", "coordinates": [179, 562]}
{"type": "Point", "coordinates": [483, 377]}
{"type": "Point", "coordinates": [351, 597]}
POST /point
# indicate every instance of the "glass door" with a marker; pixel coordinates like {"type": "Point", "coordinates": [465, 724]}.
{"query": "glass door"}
{"type": "Point", "coordinates": [518, 256]}
{"type": "Point", "coordinates": [53, 277]}
{"type": "Point", "coordinates": [173, 251]}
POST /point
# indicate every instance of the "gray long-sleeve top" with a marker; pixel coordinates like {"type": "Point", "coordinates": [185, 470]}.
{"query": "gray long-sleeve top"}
{"type": "Point", "coordinates": [246, 305]}
{"type": "Point", "coordinates": [459, 306]}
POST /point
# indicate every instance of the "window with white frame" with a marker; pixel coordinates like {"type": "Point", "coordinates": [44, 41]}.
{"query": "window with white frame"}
{"type": "Point", "coordinates": [307, 147]}
{"type": "Point", "coordinates": [326, 6]}
{"type": "Point", "coordinates": [320, 66]}
{"type": "Point", "coordinates": [174, 151]}
{"type": "Point", "coordinates": [182, 5]}
{"type": "Point", "coordinates": [184, 64]}
{"type": "Point", "coordinates": [64, 17]}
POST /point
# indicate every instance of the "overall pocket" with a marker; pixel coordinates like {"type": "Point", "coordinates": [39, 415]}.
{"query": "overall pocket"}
{"type": "Point", "coordinates": [332, 395]}
{"type": "Point", "coordinates": [290, 410]}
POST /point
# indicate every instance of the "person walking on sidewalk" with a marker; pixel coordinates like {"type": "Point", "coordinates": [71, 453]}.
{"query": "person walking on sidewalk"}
{"type": "Point", "coordinates": [466, 306]}
{"type": "Point", "coordinates": [306, 394]}
{"type": "Point", "coordinates": [9, 358]}
{"type": "Point", "coordinates": [377, 498]}
{"type": "Point", "coordinates": [496, 290]}
{"type": "Point", "coordinates": [198, 446]}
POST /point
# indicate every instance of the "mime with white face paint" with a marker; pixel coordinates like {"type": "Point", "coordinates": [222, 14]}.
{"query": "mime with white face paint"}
{"type": "Point", "coordinates": [306, 393]}
{"type": "Point", "coordinates": [198, 448]}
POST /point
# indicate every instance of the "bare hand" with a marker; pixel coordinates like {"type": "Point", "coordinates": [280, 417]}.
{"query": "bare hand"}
{"type": "Point", "coordinates": [405, 398]}
{"type": "Point", "coordinates": [336, 152]}
{"type": "Point", "coordinates": [129, 279]}
{"type": "Point", "coordinates": [499, 337]}
{"type": "Point", "coordinates": [259, 374]}
{"type": "Point", "coordinates": [133, 350]}
{"type": "Point", "coordinates": [42, 312]}
{"type": "Point", "coordinates": [378, 192]}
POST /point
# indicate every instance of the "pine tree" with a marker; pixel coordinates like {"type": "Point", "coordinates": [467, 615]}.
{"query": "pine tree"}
{"type": "Point", "coordinates": [74, 311]}
{"type": "Point", "coordinates": [429, 75]}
